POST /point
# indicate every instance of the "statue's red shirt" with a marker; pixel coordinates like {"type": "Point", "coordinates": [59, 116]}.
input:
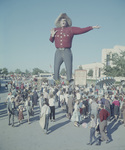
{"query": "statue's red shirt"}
{"type": "Point", "coordinates": [63, 37]}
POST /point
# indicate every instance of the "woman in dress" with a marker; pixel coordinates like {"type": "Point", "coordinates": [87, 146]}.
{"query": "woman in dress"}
{"type": "Point", "coordinates": [29, 108]}
{"type": "Point", "coordinates": [21, 116]}
{"type": "Point", "coordinates": [76, 114]}
{"type": "Point", "coordinates": [116, 104]}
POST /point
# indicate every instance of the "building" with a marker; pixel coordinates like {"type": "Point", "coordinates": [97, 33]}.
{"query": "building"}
{"type": "Point", "coordinates": [97, 67]}
{"type": "Point", "coordinates": [108, 53]}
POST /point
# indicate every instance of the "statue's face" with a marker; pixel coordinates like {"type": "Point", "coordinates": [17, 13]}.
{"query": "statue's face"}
{"type": "Point", "coordinates": [63, 23]}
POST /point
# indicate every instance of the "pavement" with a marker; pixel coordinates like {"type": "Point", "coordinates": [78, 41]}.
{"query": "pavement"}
{"type": "Point", "coordinates": [63, 135]}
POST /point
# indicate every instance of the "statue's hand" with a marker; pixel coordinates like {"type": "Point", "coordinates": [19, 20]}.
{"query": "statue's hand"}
{"type": "Point", "coordinates": [53, 32]}
{"type": "Point", "coordinates": [96, 27]}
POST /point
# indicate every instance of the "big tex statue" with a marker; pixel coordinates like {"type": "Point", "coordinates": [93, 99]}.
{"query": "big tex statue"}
{"type": "Point", "coordinates": [63, 35]}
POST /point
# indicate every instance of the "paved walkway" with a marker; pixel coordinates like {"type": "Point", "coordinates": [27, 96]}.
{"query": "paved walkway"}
{"type": "Point", "coordinates": [62, 135]}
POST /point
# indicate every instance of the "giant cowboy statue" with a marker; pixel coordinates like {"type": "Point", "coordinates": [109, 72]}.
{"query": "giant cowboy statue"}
{"type": "Point", "coordinates": [63, 35]}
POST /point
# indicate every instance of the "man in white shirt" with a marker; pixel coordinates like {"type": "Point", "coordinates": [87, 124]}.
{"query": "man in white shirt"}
{"type": "Point", "coordinates": [46, 95]}
{"type": "Point", "coordinates": [78, 95]}
{"type": "Point", "coordinates": [9, 97]}
{"type": "Point", "coordinates": [52, 107]}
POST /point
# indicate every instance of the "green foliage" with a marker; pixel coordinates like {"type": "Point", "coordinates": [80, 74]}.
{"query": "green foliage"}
{"type": "Point", "coordinates": [63, 72]}
{"type": "Point", "coordinates": [4, 71]}
{"type": "Point", "coordinates": [36, 71]}
{"type": "Point", "coordinates": [80, 68]}
{"type": "Point", "coordinates": [27, 72]}
{"type": "Point", "coordinates": [0, 71]}
{"type": "Point", "coordinates": [90, 73]}
{"type": "Point", "coordinates": [118, 68]}
{"type": "Point", "coordinates": [18, 71]}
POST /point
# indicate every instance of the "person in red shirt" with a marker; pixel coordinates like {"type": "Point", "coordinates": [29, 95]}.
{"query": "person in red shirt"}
{"type": "Point", "coordinates": [63, 35]}
{"type": "Point", "coordinates": [104, 114]}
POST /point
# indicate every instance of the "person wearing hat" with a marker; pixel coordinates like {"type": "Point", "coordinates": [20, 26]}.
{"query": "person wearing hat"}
{"type": "Point", "coordinates": [63, 35]}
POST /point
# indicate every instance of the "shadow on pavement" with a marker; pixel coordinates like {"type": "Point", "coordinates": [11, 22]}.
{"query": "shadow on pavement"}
{"type": "Point", "coordinates": [112, 127]}
{"type": "Point", "coordinates": [61, 117]}
{"type": "Point", "coordinates": [3, 90]}
{"type": "Point", "coordinates": [57, 126]}
{"type": "Point", "coordinates": [3, 110]}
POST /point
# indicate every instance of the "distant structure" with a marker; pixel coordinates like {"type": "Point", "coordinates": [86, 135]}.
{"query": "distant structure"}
{"type": "Point", "coordinates": [98, 66]}
{"type": "Point", "coordinates": [109, 53]}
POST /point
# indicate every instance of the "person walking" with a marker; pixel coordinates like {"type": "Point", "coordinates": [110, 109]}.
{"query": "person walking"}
{"type": "Point", "coordinates": [21, 116]}
{"type": "Point", "coordinates": [41, 101]}
{"type": "Point", "coordinates": [35, 98]}
{"type": "Point", "coordinates": [52, 107]}
{"type": "Point", "coordinates": [11, 108]}
{"type": "Point", "coordinates": [76, 114]}
{"type": "Point", "coordinates": [45, 111]}
{"type": "Point", "coordinates": [62, 100]}
{"type": "Point", "coordinates": [94, 107]}
{"type": "Point", "coordinates": [107, 106]}
{"type": "Point", "coordinates": [70, 103]}
{"type": "Point", "coordinates": [104, 114]}
{"type": "Point", "coordinates": [29, 108]}
{"type": "Point", "coordinates": [123, 111]}
{"type": "Point", "coordinates": [116, 104]}
{"type": "Point", "coordinates": [92, 127]}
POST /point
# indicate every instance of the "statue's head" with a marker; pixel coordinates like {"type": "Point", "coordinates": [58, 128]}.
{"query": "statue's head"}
{"type": "Point", "coordinates": [63, 21]}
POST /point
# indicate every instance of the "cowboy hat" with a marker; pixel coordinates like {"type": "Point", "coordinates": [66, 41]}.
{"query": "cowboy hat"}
{"type": "Point", "coordinates": [63, 16]}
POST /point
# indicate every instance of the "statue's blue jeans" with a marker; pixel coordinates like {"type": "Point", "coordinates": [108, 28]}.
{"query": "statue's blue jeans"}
{"type": "Point", "coordinates": [63, 55]}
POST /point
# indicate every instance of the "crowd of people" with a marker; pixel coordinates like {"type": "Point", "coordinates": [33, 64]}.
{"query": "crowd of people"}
{"type": "Point", "coordinates": [77, 102]}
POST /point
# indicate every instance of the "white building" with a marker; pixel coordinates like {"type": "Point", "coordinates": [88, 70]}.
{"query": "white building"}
{"type": "Point", "coordinates": [95, 67]}
{"type": "Point", "coordinates": [98, 67]}
{"type": "Point", "coordinates": [108, 53]}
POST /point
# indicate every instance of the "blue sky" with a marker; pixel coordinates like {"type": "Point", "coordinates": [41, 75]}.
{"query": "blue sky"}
{"type": "Point", "coordinates": [25, 30]}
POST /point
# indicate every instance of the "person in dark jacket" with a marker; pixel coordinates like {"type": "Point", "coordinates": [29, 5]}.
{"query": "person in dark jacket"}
{"type": "Point", "coordinates": [35, 98]}
{"type": "Point", "coordinates": [107, 106]}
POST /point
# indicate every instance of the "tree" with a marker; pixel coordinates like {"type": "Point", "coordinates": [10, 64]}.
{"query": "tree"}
{"type": "Point", "coordinates": [80, 67]}
{"type": "Point", "coordinates": [5, 71]}
{"type": "Point", "coordinates": [90, 73]}
{"type": "Point", "coordinates": [63, 72]}
{"type": "Point", "coordinates": [18, 71]}
{"type": "Point", "coordinates": [0, 71]}
{"type": "Point", "coordinates": [27, 72]}
{"type": "Point", "coordinates": [36, 71]}
{"type": "Point", "coordinates": [118, 68]}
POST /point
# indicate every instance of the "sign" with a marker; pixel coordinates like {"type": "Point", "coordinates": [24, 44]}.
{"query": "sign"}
{"type": "Point", "coordinates": [80, 77]}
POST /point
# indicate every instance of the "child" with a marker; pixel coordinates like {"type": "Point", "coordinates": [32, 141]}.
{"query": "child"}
{"type": "Point", "coordinates": [21, 116]}
{"type": "Point", "coordinates": [92, 130]}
